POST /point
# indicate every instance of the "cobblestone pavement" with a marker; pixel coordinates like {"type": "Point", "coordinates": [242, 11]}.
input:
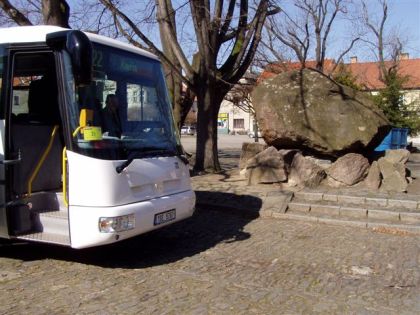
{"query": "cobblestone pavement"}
{"type": "Point", "coordinates": [219, 262]}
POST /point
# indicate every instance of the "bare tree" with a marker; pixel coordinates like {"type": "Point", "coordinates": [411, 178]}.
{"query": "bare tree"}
{"type": "Point", "coordinates": [386, 46]}
{"type": "Point", "coordinates": [209, 77]}
{"type": "Point", "coordinates": [290, 31]}
{"type": "Point", "coordinates": [14, 13]}
{"type": "Point", "coordinates": [53, 12]}
{"type": "Point", "coordinates": [310, 27]}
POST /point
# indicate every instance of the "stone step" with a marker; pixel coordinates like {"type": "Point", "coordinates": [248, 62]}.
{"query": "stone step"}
{"type": "Point", "coordinates": [405, 202]}
{"type": "Point", "coordinates": [392, 206]}
{"type": "Point", "coordinates": [371, 224]}
{"type": "Point", "coordinates": [359, 213]}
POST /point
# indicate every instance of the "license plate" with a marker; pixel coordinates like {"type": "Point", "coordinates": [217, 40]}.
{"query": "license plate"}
{"type": "Point", "coordinates": [164, 217]}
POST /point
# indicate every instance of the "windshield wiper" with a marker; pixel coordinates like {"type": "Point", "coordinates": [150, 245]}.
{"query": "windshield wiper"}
{"type": "Point", "coordinates": [146, 152]}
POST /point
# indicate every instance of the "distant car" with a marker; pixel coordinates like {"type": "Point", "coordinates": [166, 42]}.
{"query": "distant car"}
{"type": "Point", "coordinates": [251, 134]}
{"type": "Point", "coordinates": [188, 130]}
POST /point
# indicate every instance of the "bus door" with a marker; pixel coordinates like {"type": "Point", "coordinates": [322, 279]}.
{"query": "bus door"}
{"type": "Point", "coordinates": [4, 231]}
{"type": "Point", "coordinates": [34, 142]}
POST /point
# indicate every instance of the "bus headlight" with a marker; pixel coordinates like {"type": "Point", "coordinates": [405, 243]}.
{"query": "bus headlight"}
{"type": "Point", "coordinates": [117, 224]}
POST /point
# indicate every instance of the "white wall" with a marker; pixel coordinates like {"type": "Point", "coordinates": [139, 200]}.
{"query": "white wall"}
{"type": "Point", "coordinates": [236, 113]}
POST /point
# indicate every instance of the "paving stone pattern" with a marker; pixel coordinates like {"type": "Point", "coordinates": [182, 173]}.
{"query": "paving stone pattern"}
{"type": "Point", "coordinates": [219, 263]}
{"type": "Point", "coordinates": [226, 259]}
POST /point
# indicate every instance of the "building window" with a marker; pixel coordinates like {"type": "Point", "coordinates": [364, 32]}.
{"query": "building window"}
{"type": "Point", "coordinates": [239, 123]}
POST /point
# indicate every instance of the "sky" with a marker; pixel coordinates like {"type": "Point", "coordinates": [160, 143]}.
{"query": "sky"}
{"type": "Point", "coordinates": [406, 13]}
{"type": "Point", "coordinates": [403, 15]}
{"type": "Point", "coordinates": [403, 18]}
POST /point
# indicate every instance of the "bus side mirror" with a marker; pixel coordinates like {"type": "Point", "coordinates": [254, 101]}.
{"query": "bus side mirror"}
{"type": "Point", "coordinates": [79, 47]}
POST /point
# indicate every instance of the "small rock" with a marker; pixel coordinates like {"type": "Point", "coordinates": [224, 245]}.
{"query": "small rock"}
{"type": "Point", "coordinates": [304, 172]}
{"type": "Point", "coordinates": [397, 156]}
{"type": "Point", "coordinates": [349, 169]}
{"type": "Point", "coordinates": [334, 183]}
{"type": "Point", "coordinates": [386, 167]}
{"type": "Point", "coordinates": [266, 167]}
{"type": "Point", "coordinates": [373, 179]}
{"type": "Point", "coordinates": [249, 150]}
{"type": "Point", "coordinates": [393, 171]}
{"type": "Point", "coordinates": [394, 183]}
{"type": "Point", "coordinates": [242, 173]}
{"type": "Point", "coordinates": [361, 270]}
{"type": "Point", "coordinates": [288, 156]}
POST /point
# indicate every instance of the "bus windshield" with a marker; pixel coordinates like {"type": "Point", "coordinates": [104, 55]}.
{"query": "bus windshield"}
{"type": "Point", "coordinates": [126, 110]}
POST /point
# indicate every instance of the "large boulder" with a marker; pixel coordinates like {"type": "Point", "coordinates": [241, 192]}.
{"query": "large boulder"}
{"type": "Point", "coordinates": [306, 110]}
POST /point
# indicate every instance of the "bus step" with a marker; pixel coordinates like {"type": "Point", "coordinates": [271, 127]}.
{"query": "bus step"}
{"type": "Point", "coordinates": [46, 238]}
{"type": "Point", "coordinates": [54, 222]}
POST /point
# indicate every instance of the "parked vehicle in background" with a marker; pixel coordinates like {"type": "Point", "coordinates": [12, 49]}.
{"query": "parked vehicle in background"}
{"type": "Point", "coordinates": [251, 134]}
{"type": "Point", "coordinates": [188, 130]}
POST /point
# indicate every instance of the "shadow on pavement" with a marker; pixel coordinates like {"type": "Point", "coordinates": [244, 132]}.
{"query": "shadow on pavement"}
{"type": "Point", "coordinates": [208, 227]}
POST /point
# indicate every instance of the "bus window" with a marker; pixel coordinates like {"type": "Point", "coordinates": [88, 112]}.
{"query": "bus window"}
{"type": "Point", "coordinates": [142, 125]}
{"type": "Point", "coordinates": [20, 95]}
{"type": "Point", "coordinates": [141, 103]}
{"type": "Point", "coordinates": [2, 63]}
{"type": "Point", "coordinates": [34, 94]}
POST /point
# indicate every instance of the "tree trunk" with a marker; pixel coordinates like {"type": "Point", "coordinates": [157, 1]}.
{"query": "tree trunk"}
{"type": "Point", "coordinates": [56, 12]}
{"type": "Point", "coordinates": [209, 98]}
{"type": "Point", "coordinates": [175, 93]}
{"type": "Point", "coordinates": [173, 81]}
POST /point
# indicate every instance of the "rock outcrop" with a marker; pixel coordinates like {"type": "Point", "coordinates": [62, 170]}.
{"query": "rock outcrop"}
{"type": "Point", "coordinates": [308, 111]}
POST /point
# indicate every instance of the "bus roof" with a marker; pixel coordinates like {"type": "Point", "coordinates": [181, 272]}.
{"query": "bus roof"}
{"type": "Point", "coordinates": [33, 34]}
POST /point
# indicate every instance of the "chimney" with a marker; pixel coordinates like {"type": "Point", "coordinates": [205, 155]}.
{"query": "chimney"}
{"type": "Point", "coordinates": [404, 56]}
{"type": "Point", "coordinates": [353, 59]}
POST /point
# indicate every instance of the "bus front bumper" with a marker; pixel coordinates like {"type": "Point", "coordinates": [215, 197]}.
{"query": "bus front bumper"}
{"type": "Point", "coordinates": [93, 226]}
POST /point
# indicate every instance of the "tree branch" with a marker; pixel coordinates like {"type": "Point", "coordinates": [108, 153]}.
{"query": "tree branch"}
{"type": "Point", "coordinates": [14, 14]}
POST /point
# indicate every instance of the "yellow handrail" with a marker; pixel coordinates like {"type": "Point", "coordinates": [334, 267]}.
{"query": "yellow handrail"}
{"type": "Point", "coordinates": [76, 131]}
{"type": "Point", "coordinates": [41, 160]}
{"type": "Point", "coordinates": [64, 163]}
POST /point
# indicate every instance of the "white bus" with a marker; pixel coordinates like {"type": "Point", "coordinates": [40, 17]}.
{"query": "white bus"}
{"type": "Point", "coordinates": [89, 154]}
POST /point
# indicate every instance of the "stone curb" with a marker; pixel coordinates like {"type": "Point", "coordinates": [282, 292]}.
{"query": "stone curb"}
{"type": "Point", "coordinates": [353, 212]}
{"type": "Point", "coordinates": [361, 200]}
{"type": "Point", "coordinates": [366, 225]}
